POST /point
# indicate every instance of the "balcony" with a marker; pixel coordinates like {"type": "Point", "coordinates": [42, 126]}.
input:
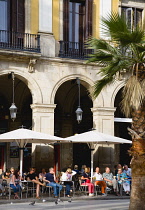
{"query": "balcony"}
{"type": "Point", "coordinates": [19, 41]}
{"type": "Point", "coordinates": [74, 50]}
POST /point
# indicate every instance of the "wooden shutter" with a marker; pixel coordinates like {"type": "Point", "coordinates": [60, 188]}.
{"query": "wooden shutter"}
{"type": "Point", "coordinates": [88, 18]}
{"type": "Point", "coordinates": [13, 15]}
{"type": "Point", "coordinates": [20, 16]}
{"type": "Point", "coordinates": [81, 22]}
{"type": "Point", "coordinates": [17, 16]}
{"type": "Point", "coordinates": [66, 20]}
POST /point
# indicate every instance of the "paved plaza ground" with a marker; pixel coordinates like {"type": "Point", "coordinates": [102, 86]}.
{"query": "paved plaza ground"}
{"type": "Point", "coordinates": [117, 204]}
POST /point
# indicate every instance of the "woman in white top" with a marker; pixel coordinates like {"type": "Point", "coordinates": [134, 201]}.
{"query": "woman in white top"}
{"type": "Point", "coordinates": [67, 178]}
{"type": "Point", "coordinates": [99, 180]}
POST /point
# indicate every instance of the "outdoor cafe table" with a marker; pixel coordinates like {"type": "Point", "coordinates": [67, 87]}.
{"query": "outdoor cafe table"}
{"type": "Point", "coordinates": [25, 185]}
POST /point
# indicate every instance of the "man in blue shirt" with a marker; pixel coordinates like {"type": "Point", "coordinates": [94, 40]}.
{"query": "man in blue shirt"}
{"type": "Point", "coordinates": [50, 179]}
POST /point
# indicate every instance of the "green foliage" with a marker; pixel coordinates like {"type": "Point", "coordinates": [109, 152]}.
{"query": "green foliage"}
{"type": "Point", "coordinates": [124, 50]}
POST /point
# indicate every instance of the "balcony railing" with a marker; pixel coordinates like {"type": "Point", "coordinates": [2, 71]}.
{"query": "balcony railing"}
{"type": "Point", "coordinates": [74, 50]}
{"type": "Point", "coordinates": [19, 41]}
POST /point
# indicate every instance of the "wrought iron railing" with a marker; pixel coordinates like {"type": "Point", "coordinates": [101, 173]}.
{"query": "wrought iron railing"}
{"type": "Point", "coordinates": [74, 50]}
{"type": "Point", "coordinates": [19, 41]}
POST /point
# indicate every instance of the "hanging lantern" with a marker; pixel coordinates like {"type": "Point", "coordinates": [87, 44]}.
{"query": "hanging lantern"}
{"type": "Point", "coordinates": [79, 111]}
{"type": "Point", "coordinates": [79, 114]}
{"type": "Point", "coordinates": [13, 111]}
{"type": "Point", "coordinates": [13, 108]}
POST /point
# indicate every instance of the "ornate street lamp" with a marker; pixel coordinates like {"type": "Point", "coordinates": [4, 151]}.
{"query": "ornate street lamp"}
{"type": "Point", "coordinates": [13, 108]}
{"type": "Point", "coordinates": [79, 110]}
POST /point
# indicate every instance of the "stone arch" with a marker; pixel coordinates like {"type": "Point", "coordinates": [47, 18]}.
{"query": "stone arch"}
{"type": "Point", "coordinates": [29, 81]}
{"type": "Point", "coordinates": [86, 82]}
{"type": "Point", "coordinates": [116, 89]}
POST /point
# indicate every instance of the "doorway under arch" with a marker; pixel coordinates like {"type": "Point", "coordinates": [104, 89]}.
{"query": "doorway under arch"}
{"type": "Point", "coordinates": [23, 99]}
{"type": "Point", "coordinates": [66, 124]}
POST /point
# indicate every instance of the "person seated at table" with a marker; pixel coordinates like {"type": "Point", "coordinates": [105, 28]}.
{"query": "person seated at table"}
{"type": "Point", "coordinates": [67, 178]}
{"type": "Point", "coordinates": [122, 179]}
{"type": "Point", "coordinates": [14, 182]}
{"type": "Point", "coordinates": [99, 180]}
{"type": "Point", "coordinates": [110, 181]}
{"type": "Point", "coordinates": [5, 180]}
{"type": "Point", "coordinates": [117, 167]}
{"type": "Point", "coordinates": [50, 179]}
{"type": "Point", "coordinates": [82, 169]}
{"type": "Point", "coordinates": [76, 169]}
{"type": "Point", "coordinates": [86, 180]}
{"type": "Point", "coordinates": [1, 189]}
{"type": "Point", "coordinates": [42, 174]}
{"type": "Point", "coordinates": [32, 176]}
{"type": "Point", "coordinates": [6, 174]}
{"type": "Point", "coordinates": [76, 176]}
{"type": "Point", "coordinates": [127, 171]}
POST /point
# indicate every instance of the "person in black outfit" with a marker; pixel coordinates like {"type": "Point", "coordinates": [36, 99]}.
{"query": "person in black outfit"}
{"type": "Point", "coordinates": [32, 176]}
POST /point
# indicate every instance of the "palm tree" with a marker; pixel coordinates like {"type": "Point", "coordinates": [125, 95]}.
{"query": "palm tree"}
{"type": "Point", "coordinates": [124, 52]}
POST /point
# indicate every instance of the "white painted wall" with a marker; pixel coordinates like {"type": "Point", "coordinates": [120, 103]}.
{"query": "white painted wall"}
{"type": "Point", "coordinates": [45, 16]}
{"type": "Point", "coordinates": [105, 9]}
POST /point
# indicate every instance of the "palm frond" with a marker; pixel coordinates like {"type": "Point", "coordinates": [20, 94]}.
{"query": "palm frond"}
{"type": "Point", "coordinates": [116, 27]}
{"type": "Point", "coordinates": [100, 84]}
{"type": "Point", "coordinates": [114, 24]}
{"type": "Point", "coordinates": [124, 51]}
{"type": "Point", "coordinates": [133, 95]}
{"type": "Point", "coordinates": [103, 51]}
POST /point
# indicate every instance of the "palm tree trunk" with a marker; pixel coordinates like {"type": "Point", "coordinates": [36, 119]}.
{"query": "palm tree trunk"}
{"type": "Point", "coordinates": [137, 200]}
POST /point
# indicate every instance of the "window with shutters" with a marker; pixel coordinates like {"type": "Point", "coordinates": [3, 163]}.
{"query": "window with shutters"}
{"type": "Point", "coordinates": [3, 19]}
{"type": "Point", "coordinates": [12, 23]}
{"type": "Point", "coordinates": [133, 17]}
{"type": "Point", "coordinates": [77, 27]}
{"type": "Point", "coordinates": [12, 27]}
{"type": "Point", "coordinates": [77, 20]}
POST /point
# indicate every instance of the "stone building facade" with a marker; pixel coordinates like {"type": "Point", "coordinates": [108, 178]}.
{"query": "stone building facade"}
{"type": "Point", "coordinates": [42, 42]}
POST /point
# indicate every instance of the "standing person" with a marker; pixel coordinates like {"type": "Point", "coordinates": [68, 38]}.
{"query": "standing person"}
{"type": "Point", "coordinates": [50, 179]}
{"type": "Point", "coordinates": [67, 178]}
{"type": "Point", "coordinates": [86, 180]}
{"type": "Point", "coordinates": [32, 176]}
{"type": "Point", "coordinates": [14, 182]}
{"type": "Point", "coordinates": [122, 179]}
{"type": "Point", "coordinates": [108, 177]}
{"type": "Point", "coordinates": [99, 180]}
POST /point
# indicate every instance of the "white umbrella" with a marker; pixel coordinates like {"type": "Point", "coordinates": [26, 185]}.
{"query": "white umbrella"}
{"type": "Point", "coordinates": [23, 136]}
{"type": "Point", "coordinates": [92, 138]}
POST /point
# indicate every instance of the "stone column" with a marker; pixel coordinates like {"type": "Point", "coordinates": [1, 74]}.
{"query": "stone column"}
{"type": "Point", "coordinates": [43, 121]}
{"type": "Point", "coordinates": [103, 119]}
{"type": "Point", "coordinates": [66, 158]}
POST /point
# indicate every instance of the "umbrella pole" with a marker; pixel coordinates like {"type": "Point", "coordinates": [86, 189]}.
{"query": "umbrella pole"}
{"type": "Point", "coordinates": [21, 157]}
{"type": "Point", "coordinates": [92, 153]}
